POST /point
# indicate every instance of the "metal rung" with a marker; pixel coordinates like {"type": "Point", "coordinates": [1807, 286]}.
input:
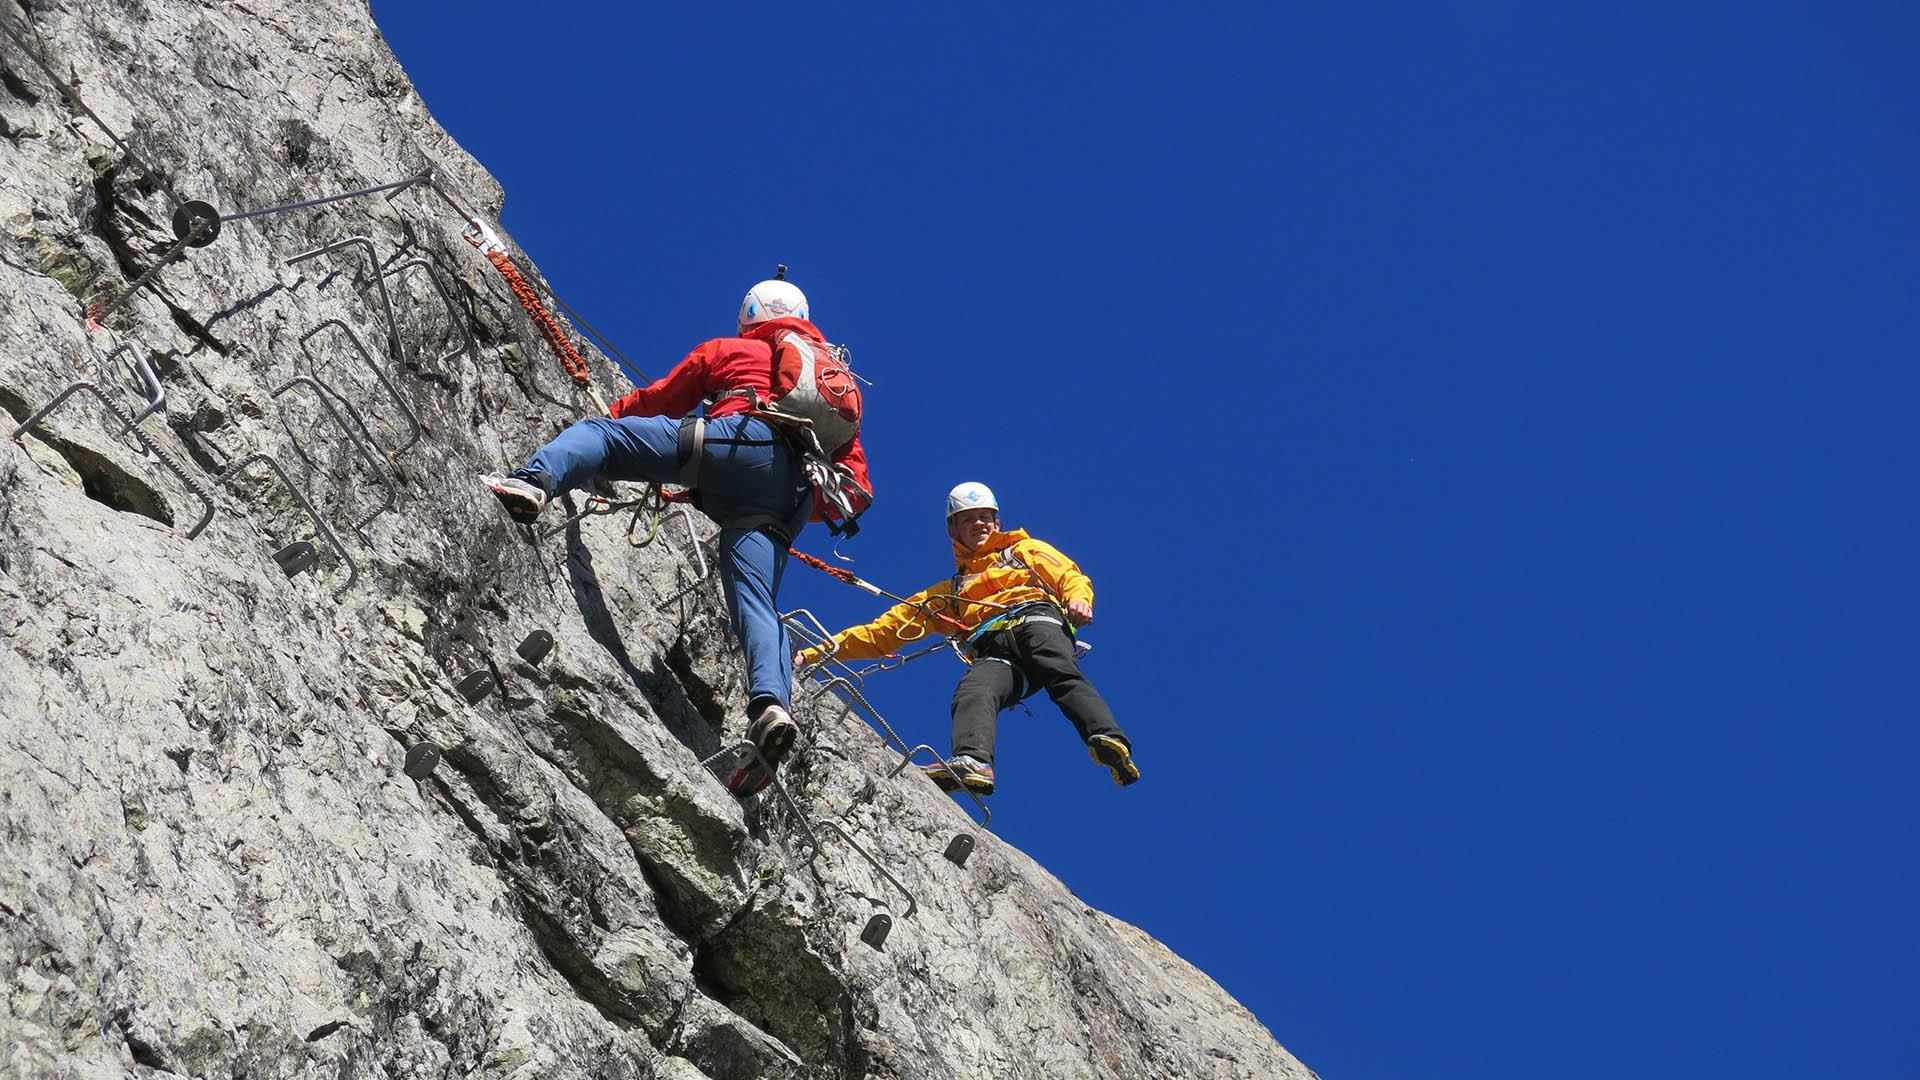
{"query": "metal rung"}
{"type": "Point", "coordinates": [319, 523]}
{"type": "Point", "coordinates": [132, 428]}
{"type": "Point", "coordinates": [467, 344]}
{"type": "Point", "coordinates": [380, 282]}
{"type": "Point", "coordinates": [815, 636]}
{"type": "Point", "coordinates": [693, 540]}
{"type": "Point", "coordinates": [700, 559]}
{"type": "Point", "coordinates": [912, 904]}
{"type": "Point", "coordinates": [356, 435]}
{"type": "Point", "coordinates": [748, 747]}
{"type": "Point", "coordinates": [413, 422]}
{"type": "Point", "coordinates": [805, 626]}
{"type": "Point", "coordinates": [151, 390]}
{"type": "Point", "coordinates": [986, 815]}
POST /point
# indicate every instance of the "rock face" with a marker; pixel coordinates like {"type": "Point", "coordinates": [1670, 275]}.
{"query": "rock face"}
{"type": "Point", "coordinates": [211, 860]}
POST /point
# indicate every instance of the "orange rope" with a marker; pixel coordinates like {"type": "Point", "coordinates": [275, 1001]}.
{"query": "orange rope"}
{"type": "Point", "coordinates": [530, 300]}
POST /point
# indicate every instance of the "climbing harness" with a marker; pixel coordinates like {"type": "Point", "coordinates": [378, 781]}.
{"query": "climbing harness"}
{"type": "Point", "coordinates": [1032, 611]}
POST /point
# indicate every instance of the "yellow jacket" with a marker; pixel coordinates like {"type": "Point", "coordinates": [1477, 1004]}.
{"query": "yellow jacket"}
{"type": "Point", "coordinates": [1010, 568]}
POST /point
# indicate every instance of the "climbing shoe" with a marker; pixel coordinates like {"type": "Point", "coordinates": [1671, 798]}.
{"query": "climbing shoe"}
{"type": "Point", "coordinates": [773, 732]}
{"type": "Point", "coordinates": [975, 775]}
{"type": "Point", "coordinates": [1116, 756]}
{"type": "Point", "coordinates": [523, 499]}
{"type": "Point", "coordinates": [751, 778]}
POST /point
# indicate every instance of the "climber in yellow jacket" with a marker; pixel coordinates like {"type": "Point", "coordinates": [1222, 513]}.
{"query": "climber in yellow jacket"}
{"type": "Point", "coordinates": [1021, 600]}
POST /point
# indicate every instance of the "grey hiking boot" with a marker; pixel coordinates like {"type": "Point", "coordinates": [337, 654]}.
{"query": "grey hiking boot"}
{"type": "Point", "coordinates": [773, 733]}
{"type": "Point", "coordinates": [968, 772]}
{"type": "Point", "coordinates": [1116, 755]}
{"type": "Point", "coordinates": [523, 499]}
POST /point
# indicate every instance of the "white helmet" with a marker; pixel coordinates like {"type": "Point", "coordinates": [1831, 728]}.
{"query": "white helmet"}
{"type": "Point", "coordinates": [774, 298]}
{"type": "Point", "coordinates": [971, 495]}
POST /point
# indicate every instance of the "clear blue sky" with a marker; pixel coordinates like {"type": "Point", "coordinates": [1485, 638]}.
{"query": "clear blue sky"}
{"type": "Point", "coordinates": [1488, 427]}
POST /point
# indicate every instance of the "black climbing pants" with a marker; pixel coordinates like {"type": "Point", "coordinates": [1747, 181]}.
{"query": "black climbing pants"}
{"type": "Point", "coordinates": [1010, 665]}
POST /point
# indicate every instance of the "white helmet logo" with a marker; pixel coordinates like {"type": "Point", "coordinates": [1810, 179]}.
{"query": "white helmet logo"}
{"type": "Point", "coordinates": [971, 495]}
{"type": "Point", "coordinates": [772, 299]}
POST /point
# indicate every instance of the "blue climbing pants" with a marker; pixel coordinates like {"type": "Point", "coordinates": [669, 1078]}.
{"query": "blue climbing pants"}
{"type": "Point", "coordinates": [746, 470]}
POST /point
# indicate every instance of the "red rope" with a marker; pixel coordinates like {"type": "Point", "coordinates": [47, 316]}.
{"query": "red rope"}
{"type": "Point", "coordinates": [530, 300]}
{"type": "Point", "coordinates": [848, 577]}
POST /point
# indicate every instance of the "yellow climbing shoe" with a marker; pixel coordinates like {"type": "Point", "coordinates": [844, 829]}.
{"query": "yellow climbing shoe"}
{"type": "Point", "coordinates": [1116, 756]}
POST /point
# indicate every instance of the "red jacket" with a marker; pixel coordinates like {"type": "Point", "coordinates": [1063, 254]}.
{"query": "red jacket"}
{"type": "Point", "coordinates": [734, 363]}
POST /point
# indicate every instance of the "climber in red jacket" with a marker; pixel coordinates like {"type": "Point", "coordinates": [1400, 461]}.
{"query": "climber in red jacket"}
{"type": "Point", "coordinates": [757, 473]}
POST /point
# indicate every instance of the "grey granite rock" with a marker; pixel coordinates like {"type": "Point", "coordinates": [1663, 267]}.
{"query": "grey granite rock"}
{"type": "Point", "coordinates": [211, 862]}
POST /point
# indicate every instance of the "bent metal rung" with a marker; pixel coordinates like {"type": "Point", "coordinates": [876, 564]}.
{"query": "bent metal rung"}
{"type": "Point", "coordinates": [749, 748]}
{"type": "Point", "coordinates": [319, 523]}
{"type": "Point", "coordinates": [816, 636]}
{"type": "Point", "coordinates": [912, 904]}
{"type": "Point", "coordinates": [379, 282]}
{"type": "Point", "coordinates": [468, 346]}
{"type": "Point", "coordinates": [700, 558]}
{"type": "Point", "coordinates": [986, 815]}
{"type": "Point", "coordinates": [152, 391]}
{"type": "Point", "coordinates": [132, 427]}
{"type": "Point", "coordinates": [353, 433]}
{"type": "Point", "coordinates": [413, 422]}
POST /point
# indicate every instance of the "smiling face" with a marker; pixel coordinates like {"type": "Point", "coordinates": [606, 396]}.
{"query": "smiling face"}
{"type": "Point", "coordinates": [971, 528]}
